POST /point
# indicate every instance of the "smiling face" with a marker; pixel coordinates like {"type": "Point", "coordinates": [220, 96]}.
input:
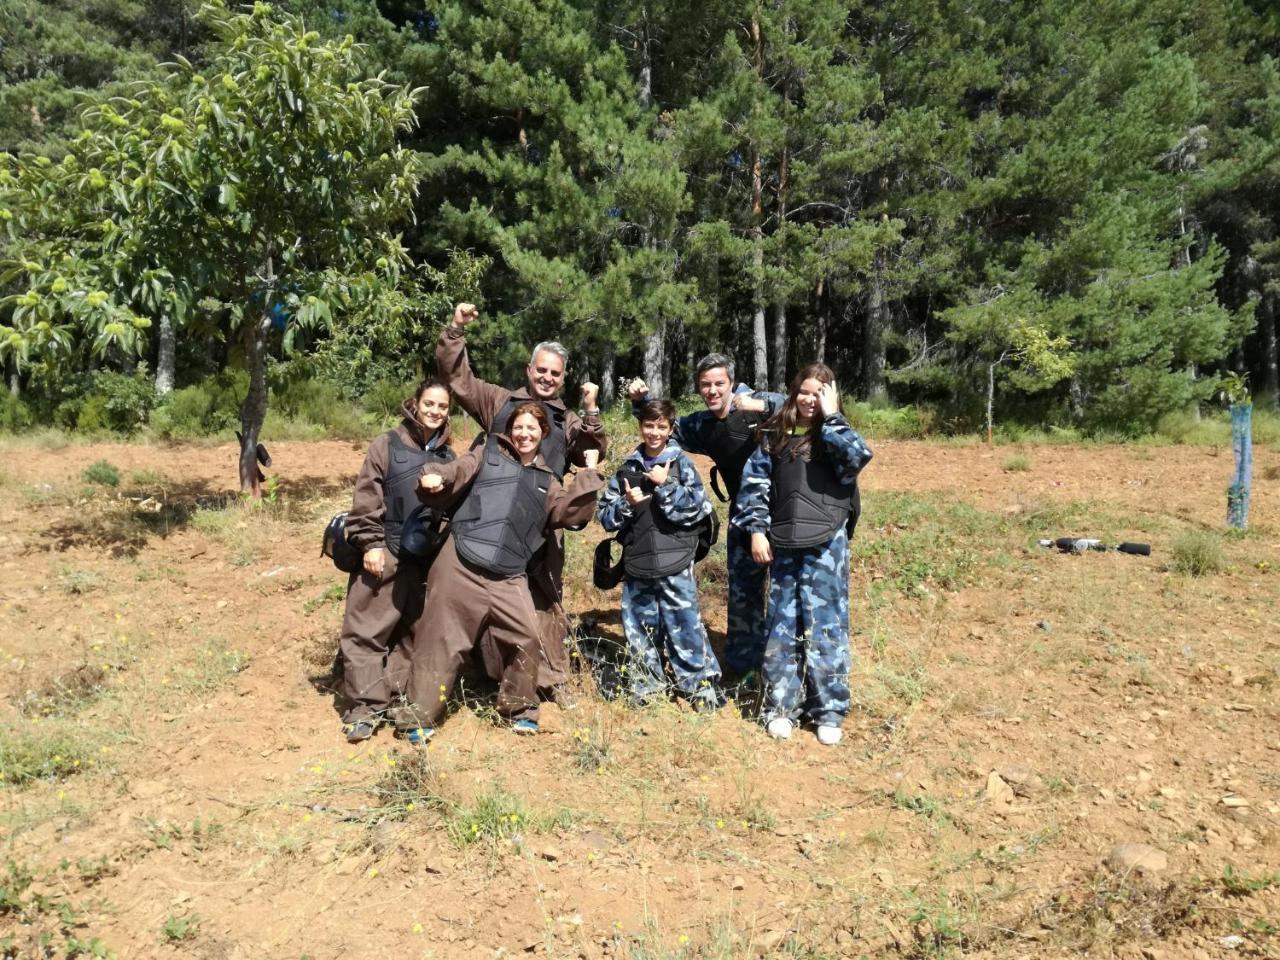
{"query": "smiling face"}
{"type": "Point", "coordinates": [807, 405]}
{"type": "Point", "coordinates": [546, 375]}
{"type": "Point", "coordinates": [526, 434]}
{"type": "Point", "coordinates": [655, 434]}
{"type": "Point", "coordinates": [717, 390]}
{"type": "Point", "coordinates": [432, 408]}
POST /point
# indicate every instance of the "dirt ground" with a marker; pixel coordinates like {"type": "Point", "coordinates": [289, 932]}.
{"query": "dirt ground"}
{"type": "Point", "coordinates": [175, 783]}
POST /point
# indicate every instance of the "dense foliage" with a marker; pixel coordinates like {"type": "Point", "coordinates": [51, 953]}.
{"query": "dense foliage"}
{"type": "Point", "coordinates": [1058, 213]}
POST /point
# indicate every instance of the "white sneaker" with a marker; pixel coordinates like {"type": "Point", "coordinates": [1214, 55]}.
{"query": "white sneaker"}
{"type": "Point", "coordinates": [828, 735]}
{"type": "Point", "coordinates": [779, 728]}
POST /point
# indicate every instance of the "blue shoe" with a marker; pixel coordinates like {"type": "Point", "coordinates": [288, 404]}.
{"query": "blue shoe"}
{"type": "Point", "coordinates": [418, 736]}
{"type": "Point", "coordinates": [524, 727]}
{"type": "Point", "coordinates": [359, 731]}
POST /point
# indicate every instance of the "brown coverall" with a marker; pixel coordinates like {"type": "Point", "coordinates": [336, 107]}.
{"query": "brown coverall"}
{"type": "Point", "coordinates": [468, 603]}
{"type": "Point", "coordinates": [380, 611]}
{"type": "Point", "coordinates": [483, 401]}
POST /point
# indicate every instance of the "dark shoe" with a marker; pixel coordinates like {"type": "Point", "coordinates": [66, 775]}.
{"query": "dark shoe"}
{"type": "Point", "coordinates": [359, 731]}
{"type": "Point", "coordinates": [418, 736]}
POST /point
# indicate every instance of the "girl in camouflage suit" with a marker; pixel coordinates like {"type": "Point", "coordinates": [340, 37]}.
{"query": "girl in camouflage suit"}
{"type": "Point", "coordinates": [797, 501]}
{"type": "Point", "coordinates": [657, 502]}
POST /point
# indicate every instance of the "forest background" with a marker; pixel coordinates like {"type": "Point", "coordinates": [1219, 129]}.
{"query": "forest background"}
{"type": "Point", "coordinates": [1059, 216]}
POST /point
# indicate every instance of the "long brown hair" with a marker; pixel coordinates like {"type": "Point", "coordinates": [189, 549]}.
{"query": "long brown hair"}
{"type": "Point", "coordinates": [776, 431]}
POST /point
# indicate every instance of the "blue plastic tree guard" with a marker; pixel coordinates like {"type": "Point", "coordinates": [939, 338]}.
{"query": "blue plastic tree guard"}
{"type": "Point", "coordinates": [1242, 447]}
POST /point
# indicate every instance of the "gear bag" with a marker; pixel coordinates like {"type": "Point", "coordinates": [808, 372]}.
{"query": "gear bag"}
{"type": "Point", "coordinates": [606, 573]}
{"type": "Point", "coordinates": [335, 546]}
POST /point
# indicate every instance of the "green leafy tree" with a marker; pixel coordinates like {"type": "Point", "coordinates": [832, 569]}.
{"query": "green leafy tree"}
{"type": "Point", "coordinates": [257, 194]}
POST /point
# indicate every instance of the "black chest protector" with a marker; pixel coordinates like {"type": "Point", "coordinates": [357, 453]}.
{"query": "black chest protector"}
{"type": "Point", "coordinates": [730, 443]}
{"type": "Point", "coordinates": [653, 546]}
{"type": "Point", "coordinates": [808, 503]}
{"type": "Point", "coordinates": [554, 446]}
{"type": "Point", "coordinates": [499, 526]}
{"type": "Point", "coordinates": [405, 518]}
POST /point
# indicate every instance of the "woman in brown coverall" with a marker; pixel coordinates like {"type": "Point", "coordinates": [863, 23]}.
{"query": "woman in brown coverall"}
{"type": "Point", "coordinates": [478, 583]}
{"type": "Point", "coordinates": [385, 599]}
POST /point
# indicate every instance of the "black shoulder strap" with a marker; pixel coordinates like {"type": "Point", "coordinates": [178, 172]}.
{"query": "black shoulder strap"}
{"type": "Point", "coordinates": [715, 484]}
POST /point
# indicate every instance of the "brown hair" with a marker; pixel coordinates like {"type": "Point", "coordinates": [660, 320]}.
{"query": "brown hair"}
{"type": "Point", "coordinates": [428, 384]}
{"type": "Point", "coordinates": [534, 410]}
{"type": "Point", "coordinates": [777, 429]}
{"type": "Point", "coordinates": [657, 410]}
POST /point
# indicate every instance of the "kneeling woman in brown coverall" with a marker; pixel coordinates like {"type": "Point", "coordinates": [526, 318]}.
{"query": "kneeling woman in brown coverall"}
{"type": "Point", "coordinates": [385, 599]}
{"type": "Point", "coordinates": [478, 582]}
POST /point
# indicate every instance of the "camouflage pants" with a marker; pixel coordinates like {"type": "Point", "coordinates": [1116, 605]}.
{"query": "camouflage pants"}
{"type": "Point", "coordinates": [744, 645]}
{"type": "Point", "coordinates": [807, 658]}
{"type": "Point", "coordinates": [661, 617]}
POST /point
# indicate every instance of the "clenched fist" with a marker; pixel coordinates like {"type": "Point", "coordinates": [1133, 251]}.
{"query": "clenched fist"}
{"type": "Point", "coordinates": [637, 389]}
{"type": "Point", "coordinates": [463, 314]}
{"type": "Point", "coordinates": [590, 392]}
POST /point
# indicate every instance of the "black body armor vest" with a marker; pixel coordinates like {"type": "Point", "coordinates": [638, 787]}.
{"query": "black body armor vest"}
{"type": "Point", "coordinates": [554, 446]}
{"type": "Point", "coordinates": [808, 503]}
{"type": "Point", "coordinates": [653, 546]}
{"type": "Point", "coordinates": [403, 510]}
{"type": "Point", "coordinates": [730, 443]}
{"type": "Point", "coordinates": [499, 526]}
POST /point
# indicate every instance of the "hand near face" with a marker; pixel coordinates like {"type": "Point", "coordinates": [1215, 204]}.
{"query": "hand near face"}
{"type": "Point", "coordinates": [431, 482]}
{"type": "Point", "coordinates": [761, 552]}
{"type": "Point", "coordinates": [635, 495]}
{"type": "Point", "coordinates": [591, 458]}
{"type": "Point", "coordinates": [744, 401]}
{"type": "Point", "coordinates": [637, 389]}
{"type": "Point", "coordinates": [375, 561]}
{"type": "Point", "coordinates": [658, 473]}
{"type": "Point", "coordinates": [590, 392]}
{"type": "Point", "coordinates": [464, 313]}
{"type": "Point", "coordinates": [829, 399]}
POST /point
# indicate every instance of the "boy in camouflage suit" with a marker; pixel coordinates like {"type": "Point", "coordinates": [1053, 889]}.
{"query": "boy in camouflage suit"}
{"type": "Point", "coordinates": [799, 491]}
{"type": "Point", "coordinates": [656, 502]}
{"type": "Point", "coordinates": [726, 432]}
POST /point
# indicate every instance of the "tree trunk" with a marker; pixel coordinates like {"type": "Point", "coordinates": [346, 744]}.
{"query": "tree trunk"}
{"type": "Point", "coordinates": [819, 324]}
{"type": "Point", "coordinates": [759, 334]}
{"type": "Point", "coordinates": [655, 350]}
{"type": "Point", "coordinates": [254, 409]}
{"type": "Point", "coordinates": [608, 380]}
{"type": "Point", "coordinates": [779, 378]}
{"type": "Point", "coordinates": [165, 356]}
{"type": "Point", "coordinates": [991, 398]}
{"type": "Point", "coordinates": [873, 335]}
{"type": "Point", "coordinates": [1271, 366]}
{"type": "Point", "coordinates": [15, 382]}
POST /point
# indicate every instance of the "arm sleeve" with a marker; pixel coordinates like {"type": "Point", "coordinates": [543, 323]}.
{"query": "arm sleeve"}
{"type": "Point", "coordinates": [752, 503]}
{"type": "Point", "coordinates": [688, 432]}
{"type": "Point", "coordinates": [848, 450]}
{"type": "Point", "coordinates": [364, 521]}
{"type": "Point", "coordinates": [568, 508]}
{"type": "Point", "coordinates": [683, 499]}
{"type": "Point", "coordinates": [457, 475]}
{"type": "Point", "coordinates": [613, 511]}
{"type": "Point", "coordinates": [480, 399]}
{"type": "Point", "coordinates": [773, 401]}
{"type": "Point", "coordinates": [584, 433]}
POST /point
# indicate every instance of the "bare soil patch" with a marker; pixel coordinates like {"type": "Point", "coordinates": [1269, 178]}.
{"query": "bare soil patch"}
{"type": "Point", "coordinates": [175, 783]}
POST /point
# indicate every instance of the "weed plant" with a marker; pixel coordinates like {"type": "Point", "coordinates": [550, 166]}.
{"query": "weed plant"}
{"type": "Point", "coordinates": [1197, 553]}
{"type": "Point", "coordinates": [102, 472]}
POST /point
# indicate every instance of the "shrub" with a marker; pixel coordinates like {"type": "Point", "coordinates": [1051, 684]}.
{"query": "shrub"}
{"type": "Point", "coordinates": [15, 415]}
{"type": "Point", "coordinates": [209, 407]}
{"type": "Point", "coordinates": [1197, 553]}
{"type": "Point", "coordinates": [127, 398]}
{"type": "Point", "coordinates": [1016, 463]}
{"type": "Point", "coordinates": [102, 472]}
